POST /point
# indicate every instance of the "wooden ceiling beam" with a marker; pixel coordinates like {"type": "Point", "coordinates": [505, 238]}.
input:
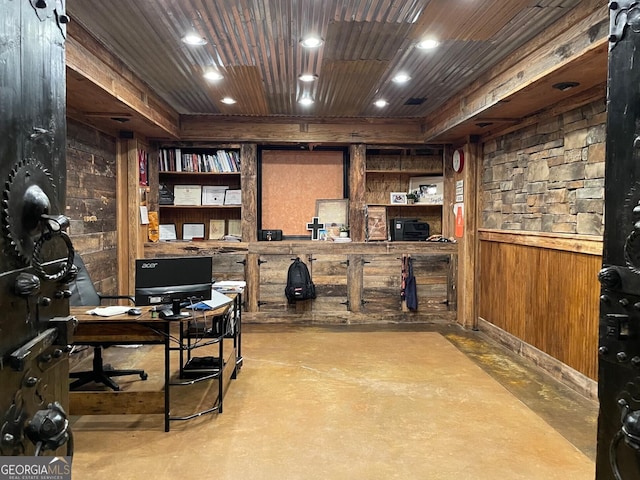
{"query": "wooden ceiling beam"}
{"type": "Point", "coordinates": [270, 130]}
{"type": "Point", "coordinates": [92, 61]}
{"type": "Point", "coordinates": [574, 36]}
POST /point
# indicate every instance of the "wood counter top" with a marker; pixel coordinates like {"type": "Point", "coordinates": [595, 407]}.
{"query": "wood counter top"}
{"type": "Point", "coordinates": [212, 247]}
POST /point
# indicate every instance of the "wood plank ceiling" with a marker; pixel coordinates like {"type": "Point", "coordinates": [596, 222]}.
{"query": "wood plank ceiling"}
{"type": "Point", "coordinates": [255, 45]}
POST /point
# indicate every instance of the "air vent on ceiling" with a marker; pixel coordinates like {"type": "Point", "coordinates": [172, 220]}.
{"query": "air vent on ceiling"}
{"type": "Point", "coordinates": [415, 101]}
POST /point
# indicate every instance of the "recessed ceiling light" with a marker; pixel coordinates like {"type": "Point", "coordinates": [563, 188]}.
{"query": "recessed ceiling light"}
{"type": "Point", "coordinates": [427, 44]}
{"type": "Point", "coordinates": [308, 77]}
{"type": "Point", "coordinates": [401, 78]}
{"type": "Point", "coordinates": [381, 103]}
{"type": "Point", "coordinates": [228, 100]}
{"type": "Point", "coordinates": [311, 42]}
{"type": "Point", "coordinates": [213, 75]}
{"type": "Point", "coordinates": [192, 38]}
{"type": "Point", "coordinates": [305, 101]}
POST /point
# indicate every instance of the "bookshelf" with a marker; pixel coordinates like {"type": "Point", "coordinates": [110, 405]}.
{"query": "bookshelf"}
{"type": "Point", "coordinates": [206, 188]}
{"type": "Point", "coordinates": [397, 170]}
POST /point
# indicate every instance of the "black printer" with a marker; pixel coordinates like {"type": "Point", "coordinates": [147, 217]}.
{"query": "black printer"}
{"type": "Point", "coordinates": [409, 230]}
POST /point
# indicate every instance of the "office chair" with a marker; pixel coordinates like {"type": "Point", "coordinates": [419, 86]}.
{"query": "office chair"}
{"type": "Point", "coordinates": [83, 293]}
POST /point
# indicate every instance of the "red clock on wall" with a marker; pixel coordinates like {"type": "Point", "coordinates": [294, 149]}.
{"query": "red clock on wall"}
{"type": "Point", "coordinates": [458, 160]}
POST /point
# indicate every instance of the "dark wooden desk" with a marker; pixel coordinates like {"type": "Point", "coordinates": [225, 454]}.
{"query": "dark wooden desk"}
{"type": "Point", "coordinates": [123, 330]}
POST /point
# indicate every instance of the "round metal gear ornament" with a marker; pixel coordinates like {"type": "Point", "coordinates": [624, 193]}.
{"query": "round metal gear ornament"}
{"type": "Point", "coordinates": [26, 197]}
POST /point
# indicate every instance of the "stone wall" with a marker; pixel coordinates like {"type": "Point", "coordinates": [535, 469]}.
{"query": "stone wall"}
{"type": "Point", "coordinates": [548, 177]}
{"type": "Point", "coordinates": [91, 202]}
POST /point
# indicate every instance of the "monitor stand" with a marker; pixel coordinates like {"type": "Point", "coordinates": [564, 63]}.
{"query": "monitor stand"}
{"type": "Point", "coordinates": [175, 313]}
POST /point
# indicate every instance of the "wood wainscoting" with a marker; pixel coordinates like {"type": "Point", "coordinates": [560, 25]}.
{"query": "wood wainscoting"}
{"type": "Point", "coordinates": [542, 289]}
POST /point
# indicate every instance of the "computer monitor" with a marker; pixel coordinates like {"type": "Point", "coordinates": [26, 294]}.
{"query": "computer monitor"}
{"type": "Point", "coordinates": [173, 281]}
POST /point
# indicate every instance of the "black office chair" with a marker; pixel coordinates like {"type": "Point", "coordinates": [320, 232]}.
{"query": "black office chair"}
{"type": "Point", "coordinates": [83, 293]}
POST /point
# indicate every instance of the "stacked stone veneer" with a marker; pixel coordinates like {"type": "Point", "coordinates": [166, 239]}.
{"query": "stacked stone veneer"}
{"type": "Point", "coordinates": [548, 177]}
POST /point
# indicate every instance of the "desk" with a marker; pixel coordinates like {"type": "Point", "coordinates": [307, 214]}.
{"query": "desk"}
{"type": "Point", "coordinates": [123, 330]}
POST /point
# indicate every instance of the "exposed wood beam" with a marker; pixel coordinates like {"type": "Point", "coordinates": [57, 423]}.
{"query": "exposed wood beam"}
{"type": "Point", "coordinates": [95, 64]}
{"type": "Point", "coordinates": [579, 33]}
{"type": "Point", "coordinates": [288, 130]}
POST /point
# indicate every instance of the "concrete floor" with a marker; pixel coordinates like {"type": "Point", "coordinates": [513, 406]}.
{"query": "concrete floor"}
{"type": "Point", "coordinates": [352, 402]}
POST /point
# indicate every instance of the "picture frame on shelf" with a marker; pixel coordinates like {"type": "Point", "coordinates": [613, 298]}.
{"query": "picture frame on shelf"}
{"type": "Point", "coordinates": [216, 229]}
{"type": "Point", "coordinates": [334, 213]}
{"type": "Point", "coordinates": [233, 197]}
{"type": "Point", "coordinates": [398, 198]}
{"type": "Point", "coordinates": [192, 231]}
{"type": "Point", "coordinates": [234, 227]}
{"type": "Point", "coordinates": [376, 223]}
{"type": "Point", "coordinates": [430, 189]}
{"type": "Point", "coordinates": [167, 232]}
{"type": "Point", "coordinates": [213, 194]}
{"type": "Point", "coordinates": [187, 195]}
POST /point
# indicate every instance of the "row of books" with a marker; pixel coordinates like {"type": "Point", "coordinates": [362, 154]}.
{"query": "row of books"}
{"type": "Point", "coordinates": [222, 161]}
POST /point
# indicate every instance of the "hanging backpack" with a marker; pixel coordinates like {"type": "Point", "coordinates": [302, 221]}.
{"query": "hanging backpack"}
{"type": "Point", "coordinates": [299, 284]}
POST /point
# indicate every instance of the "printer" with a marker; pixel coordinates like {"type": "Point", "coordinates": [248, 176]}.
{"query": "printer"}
{"type": "Point", "coordinates": [409, 230]}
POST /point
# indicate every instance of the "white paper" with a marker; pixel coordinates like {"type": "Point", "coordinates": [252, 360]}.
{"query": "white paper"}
{"type": "Point", "coordinates": [109, 311]}
{"type": "Point", "coordinates": [144, 215]}
{"type": "Point", "coordinates": [217, 300]}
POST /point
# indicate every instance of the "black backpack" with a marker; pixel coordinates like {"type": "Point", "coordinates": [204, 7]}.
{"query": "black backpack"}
{"type": "Point", "coordinates": [299, 284]}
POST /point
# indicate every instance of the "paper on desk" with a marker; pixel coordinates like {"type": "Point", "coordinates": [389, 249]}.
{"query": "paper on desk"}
{"type": "Point", "coordinates": [109, 311]}
{"type": "Point", "coordinates": [230, 286]}
{"type": "Point", "coordinates": [217, 300]}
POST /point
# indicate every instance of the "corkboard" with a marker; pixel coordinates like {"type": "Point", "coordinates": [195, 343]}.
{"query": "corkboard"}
{"type": "Point", "coordinates": [292, 181]}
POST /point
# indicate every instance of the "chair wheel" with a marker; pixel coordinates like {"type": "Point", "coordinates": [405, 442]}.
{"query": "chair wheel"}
{"type": "Point", "coordinates": [144, 376]}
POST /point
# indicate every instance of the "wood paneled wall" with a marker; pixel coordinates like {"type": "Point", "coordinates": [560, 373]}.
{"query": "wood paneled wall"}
{"type": "Point", "coordinates": [545, 292]}
{"type": "Point", "coordinates": [91, 202]}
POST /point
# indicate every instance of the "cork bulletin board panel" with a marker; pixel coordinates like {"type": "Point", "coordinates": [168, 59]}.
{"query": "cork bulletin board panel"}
{"type": "Point", "coordinates": [291, 183]}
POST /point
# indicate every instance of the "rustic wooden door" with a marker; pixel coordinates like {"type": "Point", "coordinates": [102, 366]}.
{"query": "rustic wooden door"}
{"type": "Point", "coordinates": [619, 329]}
{"type": "Point", "coordinates": [36, 329]}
